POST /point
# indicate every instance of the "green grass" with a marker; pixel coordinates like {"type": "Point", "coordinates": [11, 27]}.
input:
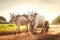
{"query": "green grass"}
{"type": "Point", "coordinates": [7, 27]}
{"type": "Point", "coordinates": [10, 28]}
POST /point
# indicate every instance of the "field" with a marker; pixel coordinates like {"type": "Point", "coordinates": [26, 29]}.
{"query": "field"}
{"type": "Point", "coordinates": [53, 33]}
{"type": "Point", "coordinates": [6, 28]}
{"type": "Point", "coordinates": [54, 29]}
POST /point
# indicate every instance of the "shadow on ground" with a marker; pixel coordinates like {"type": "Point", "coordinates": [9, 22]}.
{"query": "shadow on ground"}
{"type": "Point", "coordinates": [48, 36]}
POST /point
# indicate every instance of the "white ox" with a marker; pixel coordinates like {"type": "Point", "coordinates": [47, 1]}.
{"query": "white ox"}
{"type": "Point", "coordinates": [19, 20]}
{"type": "Point", "coordinates": [36, 20]}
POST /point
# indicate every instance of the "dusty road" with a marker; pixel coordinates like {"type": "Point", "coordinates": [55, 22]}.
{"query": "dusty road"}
{"type": "Point", "coordinates": [29, 36]}
{"type": "Point", "coordinates": [22, 36]}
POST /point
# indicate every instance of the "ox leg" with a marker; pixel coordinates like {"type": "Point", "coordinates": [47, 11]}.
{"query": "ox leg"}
{"type": "Point", "coordinates": [34, 29]}
{"type": "Point", "coordinates": [47, 28]}
{"type": "Point", "coordinates": [44, 28]}
{"type": "Point", "coordinates": [42, 31]}
{"type": "Point", "coordinates": [31, 27]}
{"type": "Point", "coordinates": [18, 28]}
{"type": "Point", "coordinates": [27, 28]}
{"type": "Point", "coordinates": [18, 31]}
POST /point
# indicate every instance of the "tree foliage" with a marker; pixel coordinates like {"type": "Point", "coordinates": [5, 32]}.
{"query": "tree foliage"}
{"type": "Point", "coordinates": [2, 19]}
{"type": "Point", "coordinates": [56, 20]}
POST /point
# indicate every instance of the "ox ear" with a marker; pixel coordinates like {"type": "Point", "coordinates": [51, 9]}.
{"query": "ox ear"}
{"type": "Point", "coordinates": [28, 12]}
{"type": "Point", "coordinates": [13, 13]}
{"type": "Point", "coordinates": [10, 14]}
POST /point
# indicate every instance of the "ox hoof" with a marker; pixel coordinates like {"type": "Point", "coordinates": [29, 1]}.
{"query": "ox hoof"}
{"type": "Point", "coordinates": [34, 32]}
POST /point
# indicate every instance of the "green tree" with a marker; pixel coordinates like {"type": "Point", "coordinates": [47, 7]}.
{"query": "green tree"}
{"type": "Point", "coordinates": [2, 19]}
{"type": "Point", "coordinates": [56, 20]}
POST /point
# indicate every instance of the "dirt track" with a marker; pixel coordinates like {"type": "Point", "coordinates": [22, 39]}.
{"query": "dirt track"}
{"type": "Point", "coordinates": [22, 36]}
{"type": "Point", "coordinates": [27, 36]}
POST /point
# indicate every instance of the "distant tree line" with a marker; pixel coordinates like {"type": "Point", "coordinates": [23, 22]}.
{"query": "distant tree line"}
{"type": "Point", "coordinates": [56, 20]}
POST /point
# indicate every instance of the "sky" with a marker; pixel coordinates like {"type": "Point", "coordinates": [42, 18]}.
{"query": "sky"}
{"type": "Point", "coordinates": [48, 8]}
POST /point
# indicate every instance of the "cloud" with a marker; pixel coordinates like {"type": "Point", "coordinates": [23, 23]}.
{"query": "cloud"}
{"type": "Point", "coordinates": [49, 1]}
